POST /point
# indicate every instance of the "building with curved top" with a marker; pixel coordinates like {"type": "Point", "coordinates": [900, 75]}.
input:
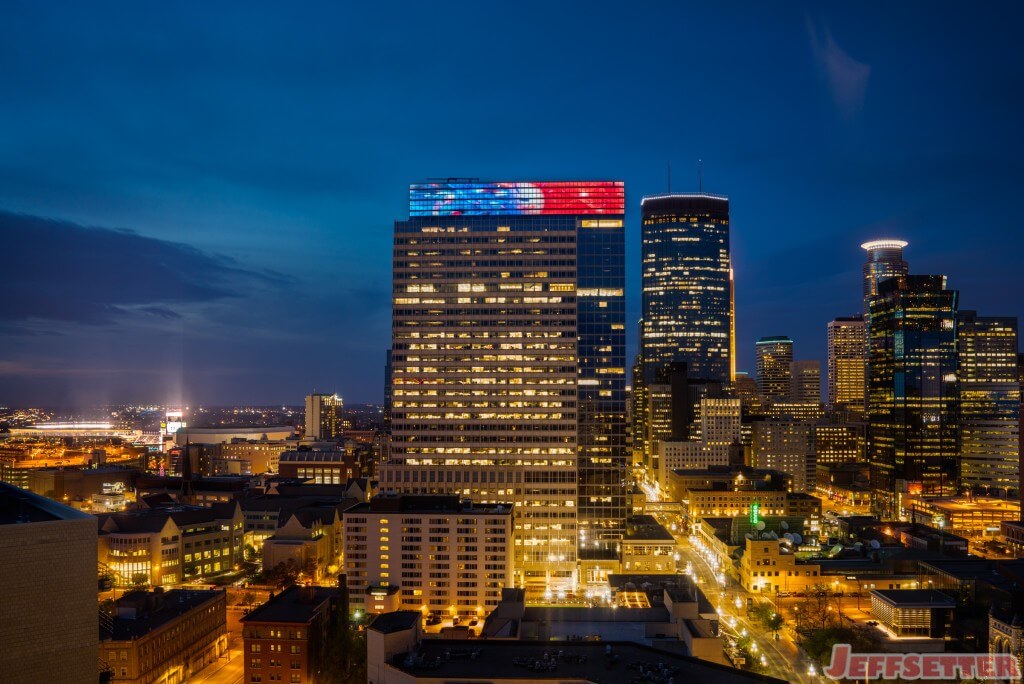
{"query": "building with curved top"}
{"type": "Point", "coordinates": [884, 260]}
{"type": "Point", "coordinates": [687, 285]}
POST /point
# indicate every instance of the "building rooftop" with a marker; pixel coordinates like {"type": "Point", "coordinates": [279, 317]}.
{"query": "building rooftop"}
{"type": "Point", "coordinates": [295, 604]}
{"type": "Point", "coordinates": [141, 612]}
{"type": "Point", "coordinates": [410, 503]}
{"type": "Point", "coordinates": [604, 662]}
{"type": "Point", "coordinates": [398, 621]}
{"type": "Point", "coordinates": [913, 598]}
{"type": "Point", "coordinates": [645, 527]}
{"type": "Point", "coordinates": [19, 506]}
{"type": "Point", "coordinates": [958, 504]}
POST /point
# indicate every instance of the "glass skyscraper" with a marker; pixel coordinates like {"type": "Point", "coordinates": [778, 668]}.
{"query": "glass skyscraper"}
{"type": "Point", "coordinates": [884, 260]}
{"type": "Point", "coordinates": [687, 301]}
{"type": "Point", "coordinates": [508, 361]}
{"type": "Point", "coordinates": [687, 287]}
{"type": "Point", "coordinates": [913, 391]}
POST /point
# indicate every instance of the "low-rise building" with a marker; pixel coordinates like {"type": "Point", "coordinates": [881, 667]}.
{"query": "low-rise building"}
{"type": "Point", "coordinates": [913, 612]}
{"type": "Point", "coordinates": [284, 640]}
{"type": "Point", "coordinates": [970, 517]}
{"type": "Point", "coordinates": [311, 535]}
{"type": "Point", "coordinates": [447, 556]}
{"type": "Point", "coordinates": [647, 547]}
{"type": "Point", "coordinates": [397, 654]}
{"type": "Point", "coordinates": [157, 637]}
{"type": "Point", "coordinates": [770, 566]}
{"type": "Point", "coordinates": [168, 546]}
{"type": "Point", "coordinates": [325, 467]}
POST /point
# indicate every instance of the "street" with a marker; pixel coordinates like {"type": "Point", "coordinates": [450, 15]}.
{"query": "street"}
{"type": "Point", "coordinates": [781, 658]}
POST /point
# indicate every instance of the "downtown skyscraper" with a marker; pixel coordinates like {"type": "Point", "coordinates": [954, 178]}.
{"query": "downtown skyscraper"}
{"type": "Point", "coordinates": [508, 361]}
{"type": "Point", "coordinates": [884, 260]}
{"type": "Point", "coordinates": [847, 363]}
{"type": "Point", "coordinates": [686, 285]}
{"type": "Point", "coordinates": [989, 403]}
{"type": "Point", "coordinates": [687, 303]}
{"type": "Point", "coordinates": [914, 393]}
{"type": "Point", "coordinates": [774, 358]}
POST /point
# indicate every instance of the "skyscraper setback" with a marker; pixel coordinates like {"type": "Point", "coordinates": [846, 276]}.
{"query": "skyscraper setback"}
{"type": "Point", "coordinates": [508, 361]}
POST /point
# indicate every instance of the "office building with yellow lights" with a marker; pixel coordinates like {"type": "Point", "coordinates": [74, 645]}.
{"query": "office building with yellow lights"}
{"type": "Point", "coordinates": [847, 363]}
{"type": "Point", "coordinates": [989, 404]}
{"type": "Point", "coordinates": [508, 361]}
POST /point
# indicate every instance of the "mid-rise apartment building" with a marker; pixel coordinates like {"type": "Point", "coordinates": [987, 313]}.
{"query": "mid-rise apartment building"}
{"type": "Point", "coordinates": [445, 555]}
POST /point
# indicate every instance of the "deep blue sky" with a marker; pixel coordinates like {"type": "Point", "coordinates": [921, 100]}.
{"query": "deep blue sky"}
{"type": "Point", "coordinates": [196, 200]}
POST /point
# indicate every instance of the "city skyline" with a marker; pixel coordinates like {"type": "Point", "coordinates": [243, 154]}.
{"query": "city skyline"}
{"type": "Point", "coordinates": [258, 266]}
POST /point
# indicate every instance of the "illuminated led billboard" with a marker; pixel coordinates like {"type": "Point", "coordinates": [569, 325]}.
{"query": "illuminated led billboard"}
{"type": "Point", "coordinates": [488, 199]}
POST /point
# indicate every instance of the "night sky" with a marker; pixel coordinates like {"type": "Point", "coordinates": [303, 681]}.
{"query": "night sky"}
{"type": "Point", "coordinates": [196, 201]}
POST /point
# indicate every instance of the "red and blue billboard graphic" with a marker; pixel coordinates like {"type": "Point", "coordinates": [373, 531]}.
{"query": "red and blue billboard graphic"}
{"type": "Point", "coordinates": [489, 199]}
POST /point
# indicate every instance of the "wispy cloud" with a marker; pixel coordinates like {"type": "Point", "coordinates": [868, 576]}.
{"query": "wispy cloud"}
{"type": "Point", "coordinates": [846, 77]}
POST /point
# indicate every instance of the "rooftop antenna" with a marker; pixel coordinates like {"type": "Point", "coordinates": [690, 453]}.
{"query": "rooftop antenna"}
{"type": "Point", "coordinates": [669, 165]}
{"type": "Point", "coordinates": [700, 175]}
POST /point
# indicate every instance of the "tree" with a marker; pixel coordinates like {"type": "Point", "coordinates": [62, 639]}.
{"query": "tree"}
{"type": "Point", "coordinates": [284, 573]}
{"type": "Point", "coordinates": [817, 610]}
{"type": "Point", "coordinates": [819, 642]}
{"type": "Point", "coordinates": [344, 655]}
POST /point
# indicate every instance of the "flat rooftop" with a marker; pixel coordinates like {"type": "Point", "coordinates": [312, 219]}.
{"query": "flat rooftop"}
{"type": "Point", "coordinates": [426, 503]}
{"type": "Point", "coordinates": [295, 604]}
{"type": "Point", "coordinates": [915, 598]}
{"type": "Point", "coordinates": [645, 527]}
{"type": "Point", "coordinates": [169, 606]}
{"type": "Point", "coordinates": [956, 504]}
{"type": "Point", "coordinates": [600, 662]}
{"type": "Point", "coordinates": [20, 506]}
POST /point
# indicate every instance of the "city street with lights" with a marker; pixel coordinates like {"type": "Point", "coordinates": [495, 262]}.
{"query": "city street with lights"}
{"type": "Point", "coordinates": [780, 658]}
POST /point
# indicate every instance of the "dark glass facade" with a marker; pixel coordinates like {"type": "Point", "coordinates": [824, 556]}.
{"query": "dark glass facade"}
{"type": "Point", "coordinates": [913, 392]}
{"type": "Point", "coordinates": [601, 321]}
{"type": "Point", "coordinates": [686, 299]}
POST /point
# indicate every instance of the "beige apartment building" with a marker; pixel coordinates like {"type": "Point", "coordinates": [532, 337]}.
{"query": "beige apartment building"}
{"type": "Point", "coordinates": [446, 556]}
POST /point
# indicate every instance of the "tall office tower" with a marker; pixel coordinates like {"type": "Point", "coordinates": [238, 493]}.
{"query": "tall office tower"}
{"type": "Point", "coordinates": [774, 356]}
{"type": "Point", "coordinates": [508, 361]}
{"type": "Point", "coordinates": [687, 285]}
{"type": "Point", "coordinates": [805, 382]}
{"type": "Point", "coordinates": [48, 621]}
{"type": "Point", "coordinates": [323, 416]}
{"type": "Point", "coordinates": [686, 296]}
{"type": "Point", "coordinates": [913, 393]}
{"type": "Point", "coordinates": [884, 260]}
{"type": "Point", "coordinates": [847, 363]}
{"type": "Point", "coordinates": [989, 403]}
